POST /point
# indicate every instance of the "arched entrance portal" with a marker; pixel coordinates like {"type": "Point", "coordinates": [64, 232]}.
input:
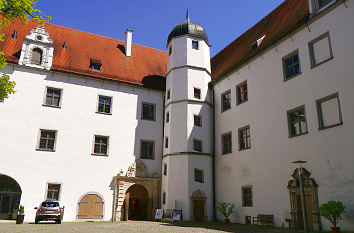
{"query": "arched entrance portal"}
{"type": "Point", "coordinates": [311, 201]}
{"type": "Point", "coordinates": [10, 197]}
{"type": "Point", "coordinates": [136, 203]}
{"type": "Point", "coordinates": [90, 207]}
{"type": "Point", "coordinates": [198, 212]}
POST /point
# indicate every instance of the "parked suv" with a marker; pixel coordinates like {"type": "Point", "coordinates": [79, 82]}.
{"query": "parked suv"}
{"type": "Point", "coordinates": [49, 210]}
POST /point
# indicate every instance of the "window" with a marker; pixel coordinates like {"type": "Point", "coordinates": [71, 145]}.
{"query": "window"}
{"type": "Point", "coordinates": [37, 55]}
{"type": "Point", "coordinates": [169, 94]}
{"type": "Point", "coordinates": [322, 3]}
{"type": "Point", "coordinates": [104, 104]}
{"type": "Point", "coordinates": [53, 191]}
{"type": "Point", "coordinates": [47, 140]}
{"type": "Point", "coordinates": [329, 112]}
{"type": "Point", "coordinates": [148, 111]}
{"type": "Point", "coordinates": [198, 120]}
{"type": "Point", "coordinates": [247, 196]}
{"type": "Point", "coordinates": [198, 175]}
{"type": "Point", "coordinates": [164, 198]}
{"type": "Point", "coordinates": [147, 149]}
{"type": "Point", "coordinates": [226, 143]}
{"type": "Point", "coordinates": [291, 65]}
{"type": "Point", "coordinates": [166, 142]}
{"type": "Point", "coordinates": [226, 100]}
{"type": "Point", "coordinates": [320, 50]}
{"type": "Point", "coordinates": [167, 117]}
{"type": "Point", "coordinates": [242, 94]}
{"type": "Point", "coordinates": [244, 138]}
{"type": "Point", "coordinates": [197, 145]}
{"type": "Point", "coordinates": [170, 50]}
{"type": "Point", "coordinates": [52, 97]}
{"type": "Point", "coordinates": [197, 93]}
{"type": "Point", "coordinates": [254, 46]}
{"type": "Point", "coordinates": [297, 121]}
{"type": "Point", "coordinates": [165, 169]}
{"type": "Point", "coordinates": [195, 45]}
{"type": "Point", "coordinates": [100, 145]}
{"type": "Point", "coordinates": [95, 65]}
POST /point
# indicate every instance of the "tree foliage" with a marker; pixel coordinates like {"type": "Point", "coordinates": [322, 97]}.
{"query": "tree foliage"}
{"type": "Point", "coordinates": [225, 208]}
{"type": "Point", "coordinates": [9, 10]}
{"type": "Point", "coordinates": [332, 211]}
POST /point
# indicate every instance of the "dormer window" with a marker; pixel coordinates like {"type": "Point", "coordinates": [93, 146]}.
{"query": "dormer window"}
{"type": "Point", "coordinates": [36, 56]}
{"type": "Point", "coordinates": [257, 43]}
{"type": "Point", "coordinates": [96, 65]}
{"type": "Point", "coordinates": [322, 3]}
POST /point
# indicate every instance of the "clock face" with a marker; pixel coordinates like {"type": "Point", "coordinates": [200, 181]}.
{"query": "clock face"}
{"type": "Point", "coordinates": [39, 37]}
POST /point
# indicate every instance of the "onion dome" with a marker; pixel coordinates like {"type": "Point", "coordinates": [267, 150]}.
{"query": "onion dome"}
{"type": "Point", "coordinates": [188, 28]}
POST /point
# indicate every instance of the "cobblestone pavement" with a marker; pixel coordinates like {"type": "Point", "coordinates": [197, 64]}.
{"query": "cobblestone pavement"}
{"type": "Point", "coordinates": [133, 226]}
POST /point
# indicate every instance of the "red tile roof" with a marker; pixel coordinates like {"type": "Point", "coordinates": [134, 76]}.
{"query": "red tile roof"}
{"type": "Point", "coordinates": [280, 22]}
{"type": "Point", "coordinates": [146, 67]}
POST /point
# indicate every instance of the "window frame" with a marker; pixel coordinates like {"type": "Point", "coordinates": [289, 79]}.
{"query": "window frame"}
{"type": "Point", "coordinates": [320, 114]}
{"type": "Point", "coordinates": [238, 92]}
{"type": "Point", "coordinates": [201, 145]}
{"type": "Point", "coordinates": [240, 137]}
{"type": "Point", "coordinates": [199, 96]}
{"type": "Point", "coordinates": [243, 188]}
{"type": "Point", "coordinates": [142, 111]}
{"type": "Point", "coordinates": [202, 175]}
{"type": "Point", "coordinates": [47, 189]}
{"type": "Point", "coordinates": [311, 51]}
{"type": "Point", "coordinates": [153, 149]}
{"type": "Point", "coordinates": [297, 109]}
{"type": "Point", "coordinates": [200, 120]}
{"type": "Point", "coordinates": [285, 66]}
{"type": "Point", "coordinates": [45, 97]}
{"type": "Point", "coordinates": [223, 143]}
{"type": "Point", "coordinates": [98, 104]}
{"type": "Point", "coordinates": [94, 142]}
{"type": "Point", "coordinates": [195, 42]}
{"type": "Point", "coordinates": [222, 100]}
{"type": "Point", "coordinates": [39, 140]}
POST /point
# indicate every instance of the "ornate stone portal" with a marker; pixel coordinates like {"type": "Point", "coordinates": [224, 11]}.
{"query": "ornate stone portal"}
{"type": "Point", "coordinates": [198, 206]}
{"type": "Point", "coordinates": [311, 199]}
{"type": "Point", "coordinates": [137, 174]}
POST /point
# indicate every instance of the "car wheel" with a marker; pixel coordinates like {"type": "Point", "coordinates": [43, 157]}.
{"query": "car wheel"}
{"type": "Point", "coordinates": [36, 221]}
{"type": "Point", "coordinates": [58, 221]}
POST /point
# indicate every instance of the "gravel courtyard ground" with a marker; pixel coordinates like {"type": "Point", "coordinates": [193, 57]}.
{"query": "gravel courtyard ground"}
{"type": "Point", "coordinates": [133, 227]}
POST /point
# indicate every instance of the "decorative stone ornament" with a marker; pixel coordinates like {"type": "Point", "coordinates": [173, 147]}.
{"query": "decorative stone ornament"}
{"type": "Point", "coordinates": [137, 169]}
{"type": "Point", "coordinates": [37, 49]}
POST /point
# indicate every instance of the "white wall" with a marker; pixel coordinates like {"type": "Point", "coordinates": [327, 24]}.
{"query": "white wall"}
{"type": "Point", "coordinates": [267, 166]}
{"type": "Point", "coordinates": [72, 165]}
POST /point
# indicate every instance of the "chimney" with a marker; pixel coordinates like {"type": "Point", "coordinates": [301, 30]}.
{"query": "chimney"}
{"type": "Point", "coordinates": [128, 42]}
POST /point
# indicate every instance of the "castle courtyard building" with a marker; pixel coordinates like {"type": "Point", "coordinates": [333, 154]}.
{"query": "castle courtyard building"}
{"type": "Point", "coordinates": [114, 130]}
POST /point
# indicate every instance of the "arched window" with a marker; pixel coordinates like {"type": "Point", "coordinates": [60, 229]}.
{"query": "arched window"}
{"type": "Point", "coordinates": [36, 56]}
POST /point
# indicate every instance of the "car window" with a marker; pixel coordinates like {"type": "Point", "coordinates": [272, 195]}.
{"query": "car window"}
{"type": "Point", "coordinates": [50, 204]}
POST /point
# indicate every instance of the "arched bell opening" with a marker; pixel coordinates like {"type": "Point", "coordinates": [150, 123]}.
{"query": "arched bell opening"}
{"type": "Point", "coordinates": [10, 197]}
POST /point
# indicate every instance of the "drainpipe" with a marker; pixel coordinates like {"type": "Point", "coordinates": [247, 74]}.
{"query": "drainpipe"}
{"type": "Point", "coordinates": [213, 152]}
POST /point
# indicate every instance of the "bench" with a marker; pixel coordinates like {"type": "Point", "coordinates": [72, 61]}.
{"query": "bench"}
{"type": "Point", "coordinates": [263, 219]}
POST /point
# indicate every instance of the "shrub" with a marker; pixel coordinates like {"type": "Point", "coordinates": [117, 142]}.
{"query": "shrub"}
{"type": "Point", "coordinates": [225, 208]}
{"type": "Point", "coordinates": [332, 211]}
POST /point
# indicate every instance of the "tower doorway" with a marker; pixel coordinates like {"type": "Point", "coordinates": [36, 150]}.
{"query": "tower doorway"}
{"type": "Point", "coordinates": [311, 201]}
{"type": "Point", "coordinates": [136, 203]}
{"type": "Point", "coordinates": [198, 212]}
{"type": "Point", "coordinates": [10, 197]}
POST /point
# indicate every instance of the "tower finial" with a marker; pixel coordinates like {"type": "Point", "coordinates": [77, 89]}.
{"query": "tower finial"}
{"type": "Point", "coordinates": [187, 17]}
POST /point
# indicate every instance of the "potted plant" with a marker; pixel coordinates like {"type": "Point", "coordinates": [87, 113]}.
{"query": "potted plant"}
{"type": "Point", "coordinates": [225, 209]}
{"type": "Point", "coordinates": [332, 211]}
{"type": "Point", "coordinates": [20, 215]}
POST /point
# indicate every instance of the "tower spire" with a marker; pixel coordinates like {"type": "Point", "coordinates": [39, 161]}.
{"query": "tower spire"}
{"type": "Point", "coordinates": [187, 17]}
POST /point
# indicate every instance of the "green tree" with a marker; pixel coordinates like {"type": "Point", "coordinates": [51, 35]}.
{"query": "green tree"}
{"type": "Point", "coordinates": [9, 10]}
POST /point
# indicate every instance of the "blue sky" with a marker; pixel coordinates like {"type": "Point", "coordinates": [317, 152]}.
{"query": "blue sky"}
{"type": "Point", "coordinates": [153, 20]}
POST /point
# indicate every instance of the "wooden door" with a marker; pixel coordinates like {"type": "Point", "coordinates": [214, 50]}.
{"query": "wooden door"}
{"type": "Point", "coordinates": [199, 210]}
{"type": "Point", "coordinates": [309, 210]}
{"type": "Point", "coordinates": [90, 207]}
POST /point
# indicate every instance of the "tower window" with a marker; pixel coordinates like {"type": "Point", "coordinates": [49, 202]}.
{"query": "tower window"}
{"type": "Point", "coordinates": [197, 93]}
{"type": "Point", "coordinates": [195, 45]}
{"type": "Point", "coordinates": [165, 169]}
{"type": "Point", "coordinates": [167, 117]}
{"type": "Point", "coordinates": [197, 145]}
{"type": "Point", "coordinates": [169, 94]}
{"type": "Point", "coordinates": [166, 142]}
{"type": "Point", "coordinates": [170, 50]}
{"type": "Point", "coordinates": [198, 120]}
{"type": "Point", "coordinates": [164, 198]}
{"type": "Point", "coordinates": [36, 56]}
{"type": "Point", "coordinates": [198, 175]}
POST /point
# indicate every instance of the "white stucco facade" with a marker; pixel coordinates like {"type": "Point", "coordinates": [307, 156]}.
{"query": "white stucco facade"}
{"type": "Point", "coordinates": [192, 179]}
